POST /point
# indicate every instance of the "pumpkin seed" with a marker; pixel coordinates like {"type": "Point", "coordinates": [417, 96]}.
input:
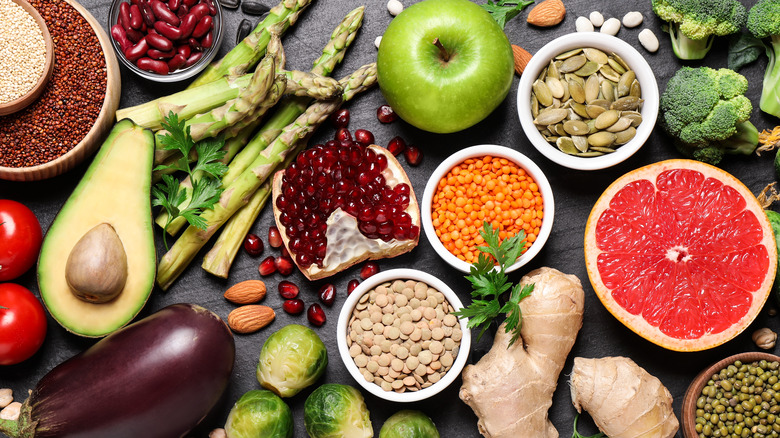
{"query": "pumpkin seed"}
{"type": "Point", "coordinates": [624, 85]}
{"type": "Point", "coordinates": [591, 89]}
{"type": "Point", "coordinates": [573, 115]}
{"type": "Point", "coordinates": [566, 96]}
{"type": "Point", "coordinates": [592, 126]}
{"type": "Point", "coordinates": [580, 142]}
{"type": "Point", "coordinates": [556, 89]}
{"type": "Point", "coordinates": [635, 117]}
{"type": "Point", "coordinates": [566, 145]}
{"type": "Point", "coordinates": [596, 55]}
{"type": "Point", "coordinates": [601, 139]}
{"type": "Point", "coordinates": [552, 71]}
{"type": "Point", "coordinates": [542, 93]}
{"type": "Point", "coordinates": [620, 61]}
{"type": "Point", "coordinates": [594, 110]}
{"type": "Point", "coordinates": [573, 64]}
{"type": "Point", "coordinates": [602, 103]}
{"type": "Point", "coordinates": [626, 103]}
{"type": "Point", "coordinates": [580, 110]}
{"type": "Point", "coordinates": [622, 124]}
{"type": "Point", "coordinates": [543, 74]}
{"type": "Point", "coordinates": [534, 105]}
{"type": "Point", "coordinates": [576, 91]}
{"type": "Point", "coordinates": [624, 137]}
{"type": "Point", "coordinates": [551, 138]}
{"type": "Point", "coordinates": [616, 66]}
{"type": "Point", "coordinates": [607, 119]}
{"type": "Point", "coordinates": [559, 129]}
{"type": "Point", "coordinates": [609, 73]}
{"type": "Point", "coordinates": [636, 90]}
{"type": "Point", "coordinates": [575, 127]}
{"type": "Point", "coordinates": [588, 69]}
{"type": "Point", "coordinates": [568, 54]}
{"type": "Point", "coordinates": [601, 149]}
{"type": "Point", "coordinates": [550, 116]}
{"type": "Point", "coordinates": [572, 77]}
{"type": "Point", "coordinates": [590, 154]}
{"type": "Point", "coordinates": [608, 91]}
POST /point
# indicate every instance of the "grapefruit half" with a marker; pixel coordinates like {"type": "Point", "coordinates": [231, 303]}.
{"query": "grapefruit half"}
{"type": "Point", "coordinates": [682, 253]}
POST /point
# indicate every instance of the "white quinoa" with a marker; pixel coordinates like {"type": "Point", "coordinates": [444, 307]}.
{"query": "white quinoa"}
{"type": "Point", "coordinates": [22, 51]}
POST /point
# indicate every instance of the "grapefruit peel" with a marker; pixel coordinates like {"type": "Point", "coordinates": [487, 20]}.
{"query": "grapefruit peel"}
{"type": "Point", "coordinates": [688, 271]}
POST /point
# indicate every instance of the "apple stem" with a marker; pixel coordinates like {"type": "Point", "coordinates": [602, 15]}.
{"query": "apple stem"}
{"type": "Point", "coordinates": [444, 54]}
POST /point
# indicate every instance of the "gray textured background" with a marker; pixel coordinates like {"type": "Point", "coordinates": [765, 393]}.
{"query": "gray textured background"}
{"type": "Point", "coordinates": [575, 193]}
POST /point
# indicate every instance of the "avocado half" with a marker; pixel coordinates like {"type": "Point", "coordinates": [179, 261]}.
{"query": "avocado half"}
{"type": "Point", "coordinates": [115, 190]}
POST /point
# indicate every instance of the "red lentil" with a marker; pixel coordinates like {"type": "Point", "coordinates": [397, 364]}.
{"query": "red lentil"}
{"type": "Point", "coordinates": [69, 106]}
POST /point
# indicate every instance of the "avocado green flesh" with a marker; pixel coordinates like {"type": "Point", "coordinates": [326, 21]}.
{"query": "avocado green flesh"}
{"type": "Point", "coordinates": [114, 190]}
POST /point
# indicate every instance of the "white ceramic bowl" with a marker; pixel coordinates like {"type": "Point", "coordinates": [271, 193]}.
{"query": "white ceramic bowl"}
{"type": "Point", "coordinates": [606, 43]}
{"type": "Point", "coordinates": [342, 332]}
{"type": "Point", "coordinates": [480, 151]}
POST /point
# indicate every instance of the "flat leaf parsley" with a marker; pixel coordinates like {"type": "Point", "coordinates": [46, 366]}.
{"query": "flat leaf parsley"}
{"type": "Point", "coordinates": [505, 10]}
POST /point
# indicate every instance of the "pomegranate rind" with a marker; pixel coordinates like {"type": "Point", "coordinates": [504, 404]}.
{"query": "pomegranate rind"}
{"type": "Point", "coordinates": [385, 249]}
{"type": "Point", "coordinates": [638, 323]}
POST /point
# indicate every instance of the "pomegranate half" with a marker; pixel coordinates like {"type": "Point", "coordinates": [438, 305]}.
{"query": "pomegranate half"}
{"type": "Point", "coordinates": [339, 204]}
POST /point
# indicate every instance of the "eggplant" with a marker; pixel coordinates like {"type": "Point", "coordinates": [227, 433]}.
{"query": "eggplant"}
{"type": "Point", "coordinates": [156, 378]}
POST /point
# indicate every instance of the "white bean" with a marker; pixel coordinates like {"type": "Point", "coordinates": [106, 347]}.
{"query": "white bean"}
{"type": "Point", "coordinates": [611, 26]}
{"type": "Point", "coordinates": [648, 40]}
{"type": "Point", "coordinates": [596, 18]}
{"type": "Point", "coordinates": [394, 7]}
{"type": "Point", "coordinates": [378, 41]}
{"type": "Point", "coordinates": [583, 25]}
{"type": "Point", "coordinates": [633, 19]}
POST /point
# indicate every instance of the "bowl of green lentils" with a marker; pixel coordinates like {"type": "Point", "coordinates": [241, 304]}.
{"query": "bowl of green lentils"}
{"type": "Point", "coordinates": [738, 396]}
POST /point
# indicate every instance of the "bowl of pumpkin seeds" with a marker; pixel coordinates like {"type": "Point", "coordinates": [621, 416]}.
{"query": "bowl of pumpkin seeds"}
{"type": "Point", "coordinates": [587, 100]}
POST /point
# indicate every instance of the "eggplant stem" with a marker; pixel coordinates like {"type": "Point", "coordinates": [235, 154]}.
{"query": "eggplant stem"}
{"type": "Point", "coordinates": [9, 427]}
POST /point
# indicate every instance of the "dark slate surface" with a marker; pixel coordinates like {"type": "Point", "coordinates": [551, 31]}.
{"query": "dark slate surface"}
{"type": "Point", "coordinates": [575, 193]}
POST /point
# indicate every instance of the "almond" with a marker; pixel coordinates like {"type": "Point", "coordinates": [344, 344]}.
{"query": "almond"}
{"type": "Point", "coordinates": [521, 58]}
{"type": "Point", "coordinates": [249, 319]}
{"type": "Point", "coordinates": [547, 13]}
{"type": "Point", "coordinates": [246, 292]}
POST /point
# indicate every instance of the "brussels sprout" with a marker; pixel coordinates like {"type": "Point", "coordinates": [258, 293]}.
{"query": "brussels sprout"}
{"type": "Point", "coordinates": [292, 358]}
{"type": "Point", "coordinates": [259, 413]}
{"type": "Point", "coordinates": [409, 424]}
{"type": "Point", "coordinates": [336, 411]}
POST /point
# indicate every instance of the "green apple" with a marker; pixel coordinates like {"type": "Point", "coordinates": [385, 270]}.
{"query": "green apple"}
{"type": "Point", "coordinates": [444, 65]}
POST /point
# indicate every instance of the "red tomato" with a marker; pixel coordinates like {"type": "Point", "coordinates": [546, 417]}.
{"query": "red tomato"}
{"type": "Point", "coordinates": [20, 239]}
{"type": "Point", "coordinates": [22, 324]}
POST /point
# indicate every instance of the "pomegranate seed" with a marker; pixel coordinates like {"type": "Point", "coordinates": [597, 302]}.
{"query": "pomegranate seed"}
{"type": "Point", "coordinates": [284, 265]}
{"type": "Point", "coordinates": [385, 114]}
{"type": "Point", "coordinates": [343, 135]}
{"type": "Point", "coordinates": [396, 146]}
{"type": "Point", "coordinates": [253, 245]}
{"type": "Point", "coordinates": [293, 307]}
{"type": "Point", "coordinates": [288, 290]}
{"type": "Point", "coordinates": [328, 294]}
{"type": "Point", "coordinates": [267, 266]}
{"type": "Point", "coordinates": [364, 137]}
{"type": "Point", "coordinates": [316, 315]}
{"type": "Point", "coordinates": [413, 155]}
{"type": "Point", "coordinates": [352, 285]}
{"type": "Point", "coordinates": [340, 118]}
{"type": "Point", "coordinates": [368, 269]}
{"type": "Point", "coordinates": [284, 252]}
{"type": "Point", "coordinates": [274, 237]}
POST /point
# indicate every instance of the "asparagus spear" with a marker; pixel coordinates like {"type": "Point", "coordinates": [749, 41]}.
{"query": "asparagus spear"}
{"type": "Point", "coordinates": [240, 191]}
{"type": "Point", "coordinates": [249, 51]}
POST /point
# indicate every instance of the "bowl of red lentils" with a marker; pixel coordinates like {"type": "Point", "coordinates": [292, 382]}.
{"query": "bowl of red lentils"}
{"type": "Point", "coordinates": [486, 183]}
{"type": "Point", "coordinates": [398, 337]}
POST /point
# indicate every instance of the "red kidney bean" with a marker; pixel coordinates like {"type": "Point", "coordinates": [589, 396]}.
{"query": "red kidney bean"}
{"type": "Point", "coordinates": [159, 42]}
{"type": "Point", "coordinates": [149, 64]}
{"type": "Point", "coordinates": [136, 20]}
{"type": "Point", "coordinates": [182, 11]}
{"type": "Point", "coordinates": [204, 25]}
{"type": "Point", "coordinates": [133, 53]}
{"type": "Point", "coordinates": [176, 62]}
{"type": "Point", "coordinates": [134, 35]}
{"type": "Point", "coordinates": [195, 57]}
{"type": "Point", "coordinates": [184, 50]}
{"type": "Point", "coordinates": [188, 24]}
{"type": "Point", "coordinates": [200, 10]}
{"type": "Point", "coordinates": [195, 45]}
{"type": "Point", "coordinates": [173, 5]}
{"type": "Point", "coordinates": [189, 3]}
{"type": "Point", "coordinates": [207, 40]}
{"type": "Point", "coordinates": [168, 31]}
{"type": "Point", "coordinates": [124, 15]}
{"type": "Point", "coordinates": [163, 13]}
{"type": "Point", "coordinates": [159, 54]}
{"type": "Point", "coordinates": [119, 35]}
{"type": "Point", "coordinates": [146, 13]}
{"type": "Point", "coordinates": [211, 5]}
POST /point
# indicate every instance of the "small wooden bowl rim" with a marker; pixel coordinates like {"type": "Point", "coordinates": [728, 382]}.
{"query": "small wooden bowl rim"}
{"type": "Point", "coordinates": [694, 389]}
{"type": "Point", "coordinates": [103, 122]}
{"type": "Point", "coordinates": [48, 67]}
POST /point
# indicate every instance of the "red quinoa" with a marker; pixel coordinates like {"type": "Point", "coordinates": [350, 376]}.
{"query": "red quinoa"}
{"type": "Point", "coordinates": [69, 106]}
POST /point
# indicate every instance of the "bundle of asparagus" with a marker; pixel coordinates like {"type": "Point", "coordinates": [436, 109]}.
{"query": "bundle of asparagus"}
{"type": "Point", "coordinates": [229, 101]}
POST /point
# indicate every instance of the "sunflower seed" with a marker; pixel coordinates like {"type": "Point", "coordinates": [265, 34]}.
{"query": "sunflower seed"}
{"type": "Point", "coordinates": [230, 4]}
{"type": "Point", "coordinates": [550, 116]}
{"type": "Point", "coordinates": [254, 7]}
{"type": "Point", "coordinates": [243, 30]}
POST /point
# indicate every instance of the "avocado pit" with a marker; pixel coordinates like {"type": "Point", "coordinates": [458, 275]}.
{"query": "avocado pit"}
{"type": "Point", "coordinates": [96, 270]}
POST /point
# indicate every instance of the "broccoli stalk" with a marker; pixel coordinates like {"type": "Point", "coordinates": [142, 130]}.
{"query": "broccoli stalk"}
{"type": "Point", "coordinates": [687, 48]}
{"type": "Point", "coordinates": [764, 23]}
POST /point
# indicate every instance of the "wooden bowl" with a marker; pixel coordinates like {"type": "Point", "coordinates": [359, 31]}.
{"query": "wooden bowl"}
{"type": "Point", "coordinates": [102, 124]}
{"type": "Point", "coordinates": [688, 414]}
{"type": "Point", "coordinates": [48, 66]}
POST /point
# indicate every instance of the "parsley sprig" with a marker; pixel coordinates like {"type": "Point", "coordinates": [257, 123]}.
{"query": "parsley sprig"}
{"type": "Point", "coordinates": [505, 10]}
{"type": "Point", "coordinates": [488, 283]}
{"type": "Point", "coordinates": [204, 175]}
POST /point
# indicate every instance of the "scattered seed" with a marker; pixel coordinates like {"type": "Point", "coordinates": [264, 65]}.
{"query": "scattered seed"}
{"type": "Point", "coordinates": [394, 7]}
{"type": "Point", "coordinates": [583, 24]}
{"type": "Point", "coordinates": [648, 40]}
{"type": "Point", "coordinates": [632, 19]}
{"type": "Point", "coordinates": [378, 41]}
{"type": "Point", "coordinates": [611, 26]}
{"type": "Point", "coordinates": [596, 18]}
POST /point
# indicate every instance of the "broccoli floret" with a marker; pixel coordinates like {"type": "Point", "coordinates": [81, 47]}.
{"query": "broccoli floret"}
{"type": "Point", "coordinates": [764, 22]}
{"type": "Point", "coordinates": [694, 24]}
{"type": "Point", "coordinates": [707, 113]}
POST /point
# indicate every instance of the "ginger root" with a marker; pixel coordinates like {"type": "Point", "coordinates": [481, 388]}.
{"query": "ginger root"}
{"type": "Point", "coordinates": [623, 399]}
{"type": "Point", "coordinates": [510, 389]}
